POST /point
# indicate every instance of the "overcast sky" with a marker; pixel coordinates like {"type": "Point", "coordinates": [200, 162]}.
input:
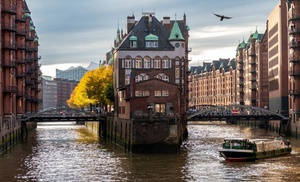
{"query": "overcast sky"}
{"type": "Point", "coordinates": [76, 32]}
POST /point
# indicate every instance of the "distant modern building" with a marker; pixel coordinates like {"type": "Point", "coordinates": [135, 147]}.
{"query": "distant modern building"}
{"type": "Point", "coordinates": [49, 90]}
{"type": "Point", "coordinates": [57, 91]}
{"type": "Point", "coordinates": [75, 73]}
{"type": "Point", "coordinates": [20, 71]}
{"type": "Point", "coordinates": [213, 83]}
{"type": "Point", "coordinates": [64, 90]}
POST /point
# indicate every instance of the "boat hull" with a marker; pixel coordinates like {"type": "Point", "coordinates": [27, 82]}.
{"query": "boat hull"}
{"type": "Point", "coordinates": [249, 155]}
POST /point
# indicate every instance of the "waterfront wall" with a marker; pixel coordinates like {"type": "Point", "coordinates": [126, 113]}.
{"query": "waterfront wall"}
{"type": "Point", "coordinates": [14, 136]}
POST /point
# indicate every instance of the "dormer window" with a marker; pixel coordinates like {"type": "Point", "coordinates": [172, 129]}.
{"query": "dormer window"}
{"type": "Point", "coordinates": [133, 41]}
{"type": "Point", "coordinates": [151, 41]}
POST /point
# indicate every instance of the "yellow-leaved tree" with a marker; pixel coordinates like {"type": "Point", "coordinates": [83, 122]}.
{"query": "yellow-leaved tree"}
{"type": "Point", "coordinates": [92, 88]}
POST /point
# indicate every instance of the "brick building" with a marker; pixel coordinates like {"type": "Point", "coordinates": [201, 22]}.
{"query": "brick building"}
{"type": "Point", "coordinates": [252, 74]}
{"type": "Point", "coordinates": [20, 75]}
{"type": "Point", "coordinates": [294, 63]}
{"type": "Point", "coordinates": [150, 78]}
{"type": "Point", "coordinates": [213, 83]}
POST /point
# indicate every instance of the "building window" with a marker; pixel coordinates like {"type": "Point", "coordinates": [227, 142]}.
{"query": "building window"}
{"type": "Point", "coordinates": [127, 79]}
{"type": "Point", "coordinates": [157, 93]}
{"type": "Point", "coordinates": [157, 63]}
{"type": "Point", "coordinates": [133, 44]}
{"type": "Point", "coordinates": [147, 62]}
{"type": "Point", "coordinates": [176, 72]}
{"type": "Point", "coordinates": [138, 62]}
{"type": "Point", "coordinates": [138, 78]}
{"type": "Point", "coordinates": [138, 93]}
{"type": "Point", "coordinates": [128, 62]}
{"type": "Point", "coordinates": [160, 108]}
{"type": "Point", "coordinates": [165, 93]}
{"type": "Point", "coordinates": [146, 77]}
{"type": "Point", "coordinates": [146, 93]}
{"type": "Point", "coordinates": [151, 44]}
{"type": "Point", "coordinates": [165, 63]}
{"type": "Point", "coordinates": [165, 78]}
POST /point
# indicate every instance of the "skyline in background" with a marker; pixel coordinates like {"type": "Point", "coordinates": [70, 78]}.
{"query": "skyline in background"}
{"type": "Point", "coordinates": [75, 32]}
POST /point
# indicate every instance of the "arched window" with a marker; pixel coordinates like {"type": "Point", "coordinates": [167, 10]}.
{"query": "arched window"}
{"type": "Point", "coordinates": [138, 78]}
{"type": "Point", "coordinates": [165, 62]}
{"type": "Point", "coordinates": [157, 62]}
{"type": "Point", "coordinates": [165, 78]}
{"type": "Point", "coordinates": [128, 62]}
{"type": "Point", "coordinates": [127, 79]}
{"type": "Point", "coordinates": [146, 77]}
{"type": "Point", "coordinates": [138, 62]}
{"type": "Point", "coordinates": [158, 77]}
{"type": "Point", "coordinates": [147, 62]}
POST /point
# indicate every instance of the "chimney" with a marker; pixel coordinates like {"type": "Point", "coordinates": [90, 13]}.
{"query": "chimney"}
{"type": "Point", "coordinates": [130, 23]}
{"type": "Point", "coordinates": [166, 22]}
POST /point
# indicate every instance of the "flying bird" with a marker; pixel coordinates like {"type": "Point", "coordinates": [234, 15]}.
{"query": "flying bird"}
{"type": "Point", "coordinates": [222, 17]}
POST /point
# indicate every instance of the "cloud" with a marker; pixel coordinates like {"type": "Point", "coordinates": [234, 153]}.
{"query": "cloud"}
{"type": "Point", "coordinates": [78, 32]}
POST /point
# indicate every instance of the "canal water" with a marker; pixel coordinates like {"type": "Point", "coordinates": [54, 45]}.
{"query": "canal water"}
{"type": "Point", "coordinates": [71, 153]}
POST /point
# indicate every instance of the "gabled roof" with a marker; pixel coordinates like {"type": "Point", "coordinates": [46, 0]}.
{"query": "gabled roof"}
{"type": "Point", "coordinates": [145, 28]}
{"type": "Point", "coordinates": [176, 32]}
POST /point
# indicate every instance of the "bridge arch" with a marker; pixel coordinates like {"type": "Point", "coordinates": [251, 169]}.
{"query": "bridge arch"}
{"type": "Point", "coordinates": [233, 112]}
{"type": "Point", "coordinates": [53, 114]}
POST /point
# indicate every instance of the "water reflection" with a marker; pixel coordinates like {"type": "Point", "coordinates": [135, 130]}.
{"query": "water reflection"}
{"type": "Point", "coordinates": [73, 153]}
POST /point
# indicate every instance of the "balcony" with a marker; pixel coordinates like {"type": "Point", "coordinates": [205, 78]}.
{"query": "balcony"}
{"type": "Point", "coordinates": [293, 31]}
{"type": "Point", "coordinates": [253, 71]}
{"type": "Point", "coordinates": [294, 92]}
{"type": "Point", "coordinates": [30, 37]}
{"type": "Point", "coordinates": [9, 64]}
{"type": "Point", "coordinates": [294, 44]}
{"type": "Point", "coordinates": [21, 46]}
{"type": "Point", "coordinates": [20, 74]}
{"type": "Point", "coordinates": [21, 61]}
{"type": "Point", "coordinates": [252, 61]}
{"type": "Point", "coordinates": [8, 27]}
{"type": "Point", "coordinates": [294, 58]}
{"type": "Point", "coordinates": [9, 9]}
{"type": "Point", "coordinates": [253, 86]}
{"type": "Point", "coordinates": [10, 88]}
{"type": "Point", "coordinates": [252, 53]}
{"type": "Point", "coordinates": [295, 16]}
{"type": "Point", "coordinates": [20, 93]}
{"type": "Point", "coordinates": [294, 73]}
{"type": "Point", "coordinates": [253, 78]}
{"type": "Point", "coordinates": [241, 90]}
{"type": "Point", "coordinates": [9, 45]}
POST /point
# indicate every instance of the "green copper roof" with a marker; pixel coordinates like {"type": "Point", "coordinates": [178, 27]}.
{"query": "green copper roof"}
{"type": "Point", "coordinates": [242, 45]}
{"type": "Point", "coordinates": [133, 38]}
{"type": "Point", "coordinates": [26, 15]}
{"type": "Point", "coordinates": [255, 35]}
{"type": "Point", "coordinates": [32, 28]}
{"type": "Point", "coordinates": [222, 66]}
{"type": "Point", "coordinates": [187, 28]}
{"type": "Point", "coordinates": [176, 33]}
{"type": "Point", "coordinates": [151, 37]}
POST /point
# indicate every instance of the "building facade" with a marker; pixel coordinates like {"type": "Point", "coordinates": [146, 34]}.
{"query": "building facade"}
{"type": "Point", "coordinates": [150, 80]}
{"type": "Point", "coordinates": [213, 83]}
{"type": "Point", "coordinates": [56, 91]}
{"type": "Point", "coordinates": [252, 74]}
{"type": "Point", "coordinates": [294, 63]}
{"type": "Point", "coordinates": [75, 73]}
{"type": "Point", "coordinates": [278, 59]}
{"type": "Point", "coordinates": [20, 75]}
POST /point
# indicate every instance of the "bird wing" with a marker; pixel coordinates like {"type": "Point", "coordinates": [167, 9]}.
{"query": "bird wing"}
{"type": "Point", "coordinates": [217, 15]}
{"type": "Point", "coordinates": [227, 17]}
